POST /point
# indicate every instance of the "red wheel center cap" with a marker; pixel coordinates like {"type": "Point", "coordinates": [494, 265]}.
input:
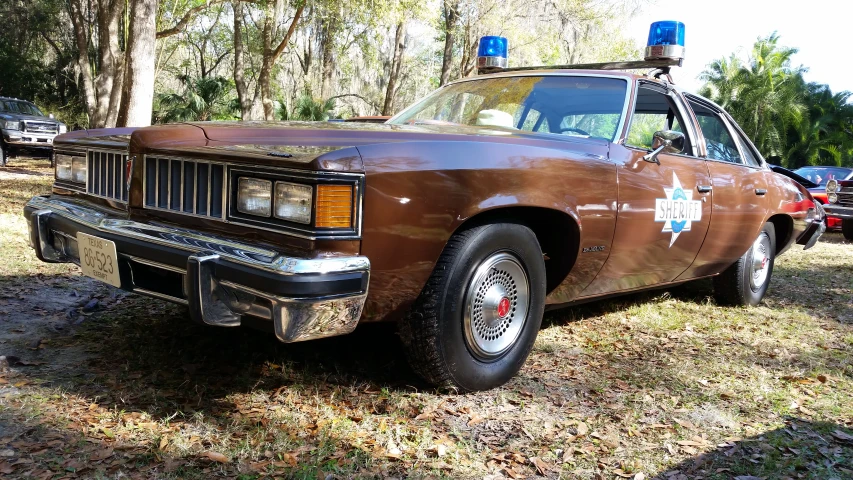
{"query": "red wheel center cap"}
{"type": "Point", "coordinates": [764, 262]}
{"type": "Point", "coordinates": [503, 307]}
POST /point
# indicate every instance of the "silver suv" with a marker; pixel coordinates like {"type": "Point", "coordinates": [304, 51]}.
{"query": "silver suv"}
{"type": "Point", "coordinates": [26, 129]}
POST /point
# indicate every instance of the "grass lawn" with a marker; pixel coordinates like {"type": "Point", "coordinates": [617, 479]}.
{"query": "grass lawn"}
{"type": "Point", "coordinates": [659, 385]}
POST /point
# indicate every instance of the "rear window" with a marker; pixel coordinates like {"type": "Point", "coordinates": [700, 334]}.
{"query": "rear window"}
{"type": "Point", "coordinates": [821, 175]}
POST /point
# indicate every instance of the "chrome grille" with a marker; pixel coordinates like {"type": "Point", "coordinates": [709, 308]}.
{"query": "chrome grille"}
{"type": "Point", "coordinates": [40, 127]}
{"type": "Point", "coordinates": [106, 175]}
{"type": "Point", "coordinates": [185, 186]}
{"type": "Point", "coordinates": [845, 199]}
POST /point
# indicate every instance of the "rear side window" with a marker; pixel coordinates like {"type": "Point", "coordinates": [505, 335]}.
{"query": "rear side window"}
{"type": "Point", "coordinates": [718, 139]}
{"type": "Point", "coordinates": [748, 154]}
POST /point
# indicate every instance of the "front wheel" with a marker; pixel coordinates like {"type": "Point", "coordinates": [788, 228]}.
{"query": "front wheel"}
{"type": "Point", "coordinates": [746, 282]}
{"type": "Point", "coordinates": [476, 319]}
{"type": "Point", "coordinates": [847, 229]}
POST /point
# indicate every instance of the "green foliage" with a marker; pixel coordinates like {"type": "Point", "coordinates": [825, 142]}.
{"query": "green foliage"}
{"type": "Point", "coordinates": [308, 108]}
{"type": "Point", "coordinates": [36, 58]}
{"type": "Point", "coordinates": [202, 99]}
{"type": "Point", "coordinates": [790, 121]}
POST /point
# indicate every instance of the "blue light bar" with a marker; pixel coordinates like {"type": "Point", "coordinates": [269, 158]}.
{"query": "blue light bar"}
{"type": "Point", "coordinates": [666, 40]}
{"type": "Point", "coordinates": [492, 53]}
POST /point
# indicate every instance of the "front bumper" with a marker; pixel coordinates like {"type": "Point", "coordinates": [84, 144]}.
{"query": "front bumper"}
{"type": "Point", "coordinates": [844, 213]}
{"type": "Point", "coordinates": [30, 139]}
{"type": "Point", "coordinates": [220, 280]}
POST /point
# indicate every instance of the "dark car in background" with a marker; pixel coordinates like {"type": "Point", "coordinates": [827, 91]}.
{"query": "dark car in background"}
{"type": "Point", "coordinates": [24, 128]}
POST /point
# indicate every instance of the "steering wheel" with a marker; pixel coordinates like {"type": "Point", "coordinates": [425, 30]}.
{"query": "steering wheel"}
{"type": "Point", "coordinates": [576, 130]}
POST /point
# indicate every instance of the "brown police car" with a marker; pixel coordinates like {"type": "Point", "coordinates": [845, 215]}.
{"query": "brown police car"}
{"type": "Point", "coordinates": [462, 218]}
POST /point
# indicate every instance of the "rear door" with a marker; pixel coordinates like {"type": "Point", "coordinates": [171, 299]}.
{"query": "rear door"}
{"type": "Point", "coordinates": [663, 213]}
{"type": "Point", "coordinates": [739, 192]}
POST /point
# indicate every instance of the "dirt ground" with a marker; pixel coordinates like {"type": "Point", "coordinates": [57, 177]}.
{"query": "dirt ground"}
{"type": "Point", "coordinates": [99, 383]}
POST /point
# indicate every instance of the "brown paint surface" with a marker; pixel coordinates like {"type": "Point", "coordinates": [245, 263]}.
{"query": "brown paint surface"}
{"type": "Point", "coordinates": [423, 183]}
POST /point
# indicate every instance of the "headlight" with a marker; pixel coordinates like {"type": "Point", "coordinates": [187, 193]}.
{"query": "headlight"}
{"type": "Point", "coordinates": [832, 186]}
{"type": "Point", "coordinates": [832, 197]}
{"type": "Point", "coordinates": [254, 196]}
{"type": "Point", "coordinates": [293, 202]}
{"type": "Point", "coordinates": [63, 128]}
{"type": "Point", "coordinates": [70, 169]}
{"type": "Point", "coordinates": [78, 169]}
{"type": "Point", "coordinates": [63, 167]}
{"type": "Point", "coordinates": [12, 125]}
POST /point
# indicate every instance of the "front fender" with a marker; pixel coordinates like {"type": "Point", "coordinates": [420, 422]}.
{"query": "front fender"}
{"type": "Point", "coordinates": [417, 194]}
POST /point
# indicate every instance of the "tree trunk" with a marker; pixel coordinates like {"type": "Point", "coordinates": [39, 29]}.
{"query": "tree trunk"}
{"type": "Point", "coordinates": [239, 64]}
{"type": "Point", "coordinates": [108, 83]}
{"type": "Point", "coordinates": [101, 80]}
{"type": "Point", "coordinates": [396, 63]}
{"type": "Point", "coordinates": [87, 81]}
{"type": "Point", "coordinates": [451, 15]}
{"type": "Point", "coordinates": [329, 29]}
{"type": "Point", "coordinates": [138, 92]}
{"type": "Point", "coordinates": [271, 55]}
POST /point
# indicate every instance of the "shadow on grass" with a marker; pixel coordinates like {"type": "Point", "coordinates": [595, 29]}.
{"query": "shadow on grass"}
{"type": "Point", "coordinates": [802, 448]}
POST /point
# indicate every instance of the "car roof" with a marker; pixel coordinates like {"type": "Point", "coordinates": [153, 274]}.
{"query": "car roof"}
{"type": "Point", "coordinates": [12, 99]}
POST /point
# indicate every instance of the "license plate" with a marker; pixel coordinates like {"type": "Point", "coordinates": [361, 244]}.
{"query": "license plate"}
{"type": "Point", "coordinates": [98, 259]}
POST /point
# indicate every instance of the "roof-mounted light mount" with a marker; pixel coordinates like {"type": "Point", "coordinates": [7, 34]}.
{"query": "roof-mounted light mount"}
{"type": "Point", "coordinates": [664, 50]}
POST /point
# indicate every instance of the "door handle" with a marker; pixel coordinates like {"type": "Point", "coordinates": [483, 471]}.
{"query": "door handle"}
{"type": "Point", "coordinates": [760, 191]}
{"type": "Point", "coordinates": [704, 188]}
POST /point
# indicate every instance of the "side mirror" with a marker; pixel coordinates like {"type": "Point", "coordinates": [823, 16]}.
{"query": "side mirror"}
{"type": "Point", "coordinates": [665, 141]}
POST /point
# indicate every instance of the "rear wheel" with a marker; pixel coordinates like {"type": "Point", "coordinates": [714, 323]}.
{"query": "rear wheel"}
{"type": "Point", "coordinates": [476, 320]}
{"type": "Point", "coordinates": [746, 281]}
{"type": "Point", "coordinates": [847, 229]}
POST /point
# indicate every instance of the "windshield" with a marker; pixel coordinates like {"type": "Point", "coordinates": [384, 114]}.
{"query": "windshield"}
{"type": "Point", "coordinates": [22, 108]}
{"type": "Point", "coordinates": [821, 175]}
{"type": "Point", "coordinates": [567, 105]}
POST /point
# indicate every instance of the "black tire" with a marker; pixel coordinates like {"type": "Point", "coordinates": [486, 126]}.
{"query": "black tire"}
{"type": "Point", "coordinates": [4, 154]}
{"type": "Point", "coordinates": [437, 337]}
{"type": "Point", "coordinates": [847, 229]}
{"type": "Point", "coordinates": [737, 284]}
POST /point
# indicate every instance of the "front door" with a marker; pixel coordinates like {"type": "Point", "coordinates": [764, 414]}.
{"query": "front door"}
{"type": "Point", "coordinates": [663, 210]}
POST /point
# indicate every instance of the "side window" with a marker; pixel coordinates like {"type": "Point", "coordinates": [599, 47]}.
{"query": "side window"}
{"type": "Point", "coordinates": [654, 111]}
{"type": "Point", "coordinates": [718, 139]}
{"type": "Point", "coordinates": [748, 154]}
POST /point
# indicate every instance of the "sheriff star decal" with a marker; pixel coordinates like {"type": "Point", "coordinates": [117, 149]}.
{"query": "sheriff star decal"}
{"type": "Point", "coordinates": [678, 210]}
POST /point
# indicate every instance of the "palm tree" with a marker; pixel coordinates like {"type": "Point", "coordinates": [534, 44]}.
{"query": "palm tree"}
{"type": "Point", "coordinates": [203, 99]}
{"type": "Point", "coordinates": [311, 109]}
{"type": "Point", "coordinates": [762, 94]}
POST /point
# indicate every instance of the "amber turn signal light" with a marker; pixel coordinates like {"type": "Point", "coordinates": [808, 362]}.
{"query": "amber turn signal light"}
{"type": "Point", "coordinates": [334, 206]}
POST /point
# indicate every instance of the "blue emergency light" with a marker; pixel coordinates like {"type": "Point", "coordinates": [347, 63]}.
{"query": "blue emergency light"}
{"type": "Point", "coordinates": [666, 41]}
{"type": "Point", "coordinates": [492, 52]}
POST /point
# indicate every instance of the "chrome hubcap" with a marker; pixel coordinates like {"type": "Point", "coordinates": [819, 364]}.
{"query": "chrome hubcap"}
{"type": "Point", "coordinates": [496, 306]}
{"type": "Point", "coordinates": [760, 261]}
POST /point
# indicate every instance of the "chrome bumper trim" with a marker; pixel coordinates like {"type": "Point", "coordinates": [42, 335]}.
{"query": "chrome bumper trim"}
{"type": "Point", "coordinates": [212, 300]}
{"type": "Point", "coordinates": [838, 211]}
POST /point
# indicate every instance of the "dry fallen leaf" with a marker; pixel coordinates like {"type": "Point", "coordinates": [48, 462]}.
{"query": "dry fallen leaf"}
{"type": "Point", "coordinates": [164, 441]}
{"type": "Point", "coordinates": [582, 428]}
{"type": "Point", "coordinates": [844, 437]}
{"type": "Point", "coordinates": [540, 465]}
{"type": "Point", "coordinates": [102, 455]}
{"type": "Point", "coordinates": [216, 457]}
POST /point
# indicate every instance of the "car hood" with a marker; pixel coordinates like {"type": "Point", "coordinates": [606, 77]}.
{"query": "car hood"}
{"type": "Point", "coordinates": [318, 145]}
